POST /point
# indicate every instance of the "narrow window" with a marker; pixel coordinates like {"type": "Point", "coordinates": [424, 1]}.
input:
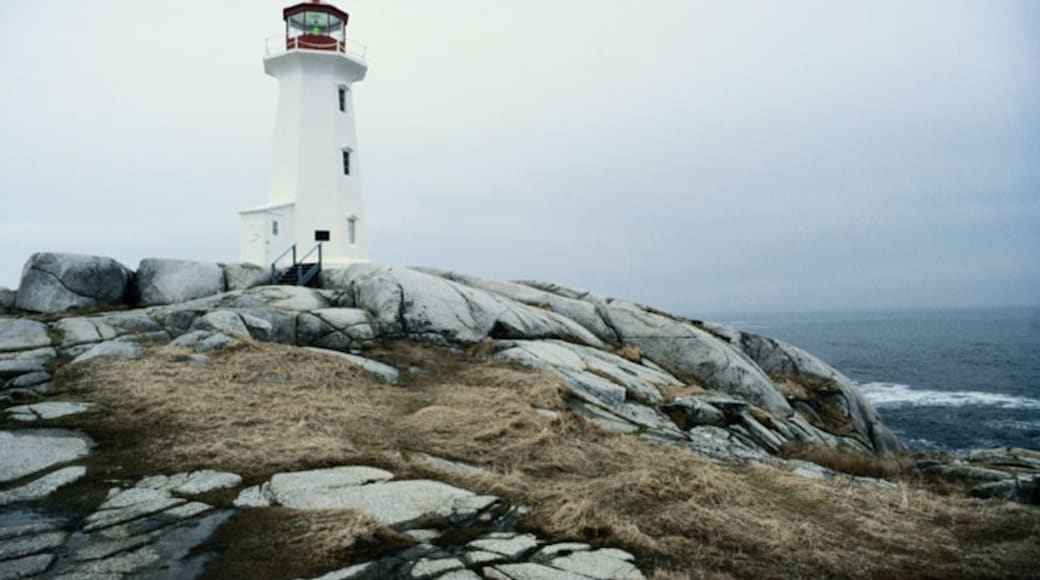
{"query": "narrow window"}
{"type": "Point", "coordinates": [346, 162]}
{"type": "Point", "coordinates": [343, 99]}
{"type": "Point", "coordinates": [352, 230]}
{"type": "Point", "coordinates": [274, 227]}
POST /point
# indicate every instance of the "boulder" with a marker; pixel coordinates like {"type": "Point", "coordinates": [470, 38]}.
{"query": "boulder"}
{"type": "Point", "coordinates": [18, 334]}
{"type": "Point", "coordinates": [8, 298]}
{"type": "Point", "coordinates": [245, 276]}
{"type": "Point", "coordinates": [161, 282]}
{"type": "Point", "coordinates": [64, 282]}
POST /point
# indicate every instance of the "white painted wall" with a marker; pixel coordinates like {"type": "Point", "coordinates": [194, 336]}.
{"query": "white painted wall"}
{"type": "Point", "coordinates": [307, 165]}
{"type": "Point", "coordinates": [261, 241]}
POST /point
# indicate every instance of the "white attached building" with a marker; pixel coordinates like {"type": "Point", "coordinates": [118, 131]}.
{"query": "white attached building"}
{"type": "Point", "coordinates": [315, 187]}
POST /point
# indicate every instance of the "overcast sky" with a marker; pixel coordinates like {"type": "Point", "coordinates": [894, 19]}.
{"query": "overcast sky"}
{"type": "Point", "coordinates": [699, 156]}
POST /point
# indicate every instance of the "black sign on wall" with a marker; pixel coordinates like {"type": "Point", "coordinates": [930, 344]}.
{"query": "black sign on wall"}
{"type": "Point", "coordinates": [322, 235]}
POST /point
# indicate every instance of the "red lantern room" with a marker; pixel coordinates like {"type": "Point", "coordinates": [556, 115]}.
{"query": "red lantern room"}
{"type": "Point", "coordinates": [315, 26]}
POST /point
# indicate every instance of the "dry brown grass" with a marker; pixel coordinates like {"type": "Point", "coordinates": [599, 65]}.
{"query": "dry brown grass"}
{"type": "Point", "coordinates": [849, 461]}
{"type": "Point", "coordinates": [266, 408]}
{"type": "Point", "coordinates": [257, 543]}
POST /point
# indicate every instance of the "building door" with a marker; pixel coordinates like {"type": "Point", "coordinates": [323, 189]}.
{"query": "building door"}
{"type": "Point", "coordinates": [273, 238]}
{"type": "Point", "coordinates": [254, 240]}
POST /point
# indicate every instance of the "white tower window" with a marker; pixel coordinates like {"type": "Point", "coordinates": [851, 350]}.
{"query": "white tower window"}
{"type": "Point", "coordinates": [352, 230]}
{"type": "Point", "coordinates": [343, 99]}
{"type": "Point", "coordinates": [346, 162]}
{"type": "Point", "coordinates": [274, 228]}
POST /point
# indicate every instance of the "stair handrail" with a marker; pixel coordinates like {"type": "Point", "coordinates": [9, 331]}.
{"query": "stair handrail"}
{"type": "Point", "coordinates": [274, 264]}
{"type": "Point", "coordinates": [304, 278]}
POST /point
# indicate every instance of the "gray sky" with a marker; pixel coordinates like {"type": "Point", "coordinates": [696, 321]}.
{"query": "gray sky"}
{"type": "Point", "coordinates": [699, 156]}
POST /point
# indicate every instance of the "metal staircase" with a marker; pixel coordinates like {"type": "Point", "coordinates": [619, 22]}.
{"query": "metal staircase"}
{"type": "Point", "coordinates": [301, 272]}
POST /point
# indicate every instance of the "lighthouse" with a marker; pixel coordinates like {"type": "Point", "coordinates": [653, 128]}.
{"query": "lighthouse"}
{"type": "Point", "coordinates": [314, 201]}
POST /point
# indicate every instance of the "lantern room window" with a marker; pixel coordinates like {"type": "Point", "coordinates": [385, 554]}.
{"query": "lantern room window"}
{"type": "Point", "coordinates": [315, 26]}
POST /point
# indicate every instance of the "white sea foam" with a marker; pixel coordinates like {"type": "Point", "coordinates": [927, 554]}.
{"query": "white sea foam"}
{"type": "Point", "coordinates": [896, 395]}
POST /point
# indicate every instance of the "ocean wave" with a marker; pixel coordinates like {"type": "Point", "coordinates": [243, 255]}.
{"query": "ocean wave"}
{"type": "Point", "coordinates": [896, 395]}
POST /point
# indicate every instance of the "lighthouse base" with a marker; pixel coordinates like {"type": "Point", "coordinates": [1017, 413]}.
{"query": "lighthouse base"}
{"type": "Point", "coordinates": [268, 234]}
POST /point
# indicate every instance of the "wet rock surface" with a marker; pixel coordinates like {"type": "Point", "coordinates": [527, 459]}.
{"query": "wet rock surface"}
{"type": "Point", "coordinates": [437, 515]}
{"type": "Point", "coordinates": [23, 453]}
{"type": "Point", "coordinates": [147, 530]}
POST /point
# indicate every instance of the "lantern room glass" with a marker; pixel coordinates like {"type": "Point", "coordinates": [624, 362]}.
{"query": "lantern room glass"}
{"type": "Point", "coordinates": [315, 24]}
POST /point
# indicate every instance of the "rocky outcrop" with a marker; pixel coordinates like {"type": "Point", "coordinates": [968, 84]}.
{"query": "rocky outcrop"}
{"type": "Point", "coordinates": [824, 392]}
{"type": "Point", "coordinates": [626, 367]}
{"type": "Point", "coordinates": [64, 282]}
{"type": "Point", "coordinates": [17, 334]}
{"type": "Point", "coordinates": [162, 282]}
{"type": "Point", "coordinates": [172, 281]}
{"type": "Point", "coordinates": [422, 306]}
{"type": "Point", "coordinates": [689, 352]}
{"type": "Point", "coordinates": [1002, 474]}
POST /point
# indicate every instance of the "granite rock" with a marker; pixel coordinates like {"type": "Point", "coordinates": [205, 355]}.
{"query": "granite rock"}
{"type": "Point", "coordinates": [63, 282]}
{"type": "Point", "coordinates": [19, 334]}
{"type": "Point", "coordinates": [161, 282]}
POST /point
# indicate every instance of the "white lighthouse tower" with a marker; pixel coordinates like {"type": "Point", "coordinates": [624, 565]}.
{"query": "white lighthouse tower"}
{"type": "Point", "coordinates": [315, 187]}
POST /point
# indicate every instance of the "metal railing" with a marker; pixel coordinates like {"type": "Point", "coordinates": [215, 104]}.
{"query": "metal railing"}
{"type": "Point", "coordinates": [274, 264]}
{"type": "Point", "coordinates": [279, 45]}
{"type": "Point", "coordinates": [304, 273]}
{"type": "Point", "coordinates": [303, 278]}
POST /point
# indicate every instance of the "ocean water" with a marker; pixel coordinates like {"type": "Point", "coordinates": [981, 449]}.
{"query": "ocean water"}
{"type": "Point", "coordinates": [957, 379]}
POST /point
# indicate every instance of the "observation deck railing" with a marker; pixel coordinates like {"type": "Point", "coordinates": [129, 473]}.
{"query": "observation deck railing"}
{"type": "Point", "coordinates": [280, 44]}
